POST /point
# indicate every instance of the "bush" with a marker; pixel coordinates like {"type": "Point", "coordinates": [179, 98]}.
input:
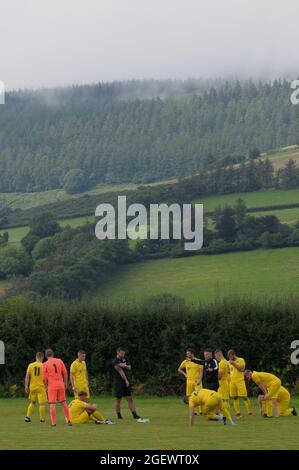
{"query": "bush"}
{"type": "Point", "coordinates": [155, 338]}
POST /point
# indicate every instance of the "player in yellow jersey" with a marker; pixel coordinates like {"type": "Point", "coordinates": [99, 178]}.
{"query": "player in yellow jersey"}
{"type": "Point", "coordinates": [269, 385]}
{"type": "Point", "coordinates": [82, 412]}
{"type": "Point", "coordinates": [79, 375]}
{"type": "Point", "coordinates": [192, 373]}
{"type": "Point", "coordinates": [211, 405]}
{"type": "Point", "coordinates": [237, 385]}
{"type": "Point", "coordinates": [34, 387]}
{"type": "Point", "coordinates": [223, 377]}
{"type": "Point", "coordinates": [283, 404]}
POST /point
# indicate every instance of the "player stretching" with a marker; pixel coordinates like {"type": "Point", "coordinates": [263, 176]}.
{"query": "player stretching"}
{"type": "Point", "coordinates": [122, 386]}
{"type": "Point", "coordinates": [82, 412]}
{"type": "Point", "coordinates": [79, 376]}
{"type": "Point", "coordinates": [55, 380]}
{"type": "Point", "coordinates": [223, 377]}
{"type": "Point", "coordinates": [283, 404]}
{"type": "Point", "coordinates": [192, 372]}
{"type": "Point", "coordinates": [269, 385]}
{"type": "Point", "coordinates": [237, 383]}
{"type": "Point", "coordinates": [34, 386]}
{"type": "Point", "coordinates": [211, 403]}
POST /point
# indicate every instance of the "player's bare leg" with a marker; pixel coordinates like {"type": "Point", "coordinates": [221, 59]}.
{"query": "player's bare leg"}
{"type": "Point", "coordinates": [117, 408]}
{"type": "Point", "coordinates": [132, 407]}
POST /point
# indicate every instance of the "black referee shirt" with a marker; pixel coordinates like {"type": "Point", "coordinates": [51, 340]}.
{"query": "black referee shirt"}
{"type": "Point", "coordinates": [210, 377]}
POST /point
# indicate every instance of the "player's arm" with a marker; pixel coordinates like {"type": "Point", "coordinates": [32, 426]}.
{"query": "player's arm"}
{"type": "Point", "coordinates": [240, 367]}
{"type": "Point", "coordinates": [191, 415]}
{"type": "Point", "coordinates": [181, 370]}
{"type": "Point", "coordinates": [214, 366]}
{"type": "Point", "coordinates": [27, 382]}
{"type": "Point", "coordinates": [201, 362]}
{"type": "Point", "coordinates": [72, 378]}
{"type": "Point", "coordinates": [263, 389]}
{"type": "Point", "coordinates": [45, 376]}
{"type": "Point", "coordinates": [199, 380]}
{"type": "Point", "coordinates": [91, 407]}
{"type": "Point", "coordinates": [64, 374]}
{"type": "Point", "coordinates": [122, 374]}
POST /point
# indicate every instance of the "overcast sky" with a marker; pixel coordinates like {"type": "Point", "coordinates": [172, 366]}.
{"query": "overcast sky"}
{"type": "Point", "coordinates": [60, 42]}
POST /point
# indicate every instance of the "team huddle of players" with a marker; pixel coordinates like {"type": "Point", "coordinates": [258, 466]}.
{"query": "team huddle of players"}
{"type": "Point", "coordinates": [212, 381]}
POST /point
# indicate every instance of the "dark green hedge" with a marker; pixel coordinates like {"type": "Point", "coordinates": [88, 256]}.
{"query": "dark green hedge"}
{"type": "Point", "coordinates": [155, 335]}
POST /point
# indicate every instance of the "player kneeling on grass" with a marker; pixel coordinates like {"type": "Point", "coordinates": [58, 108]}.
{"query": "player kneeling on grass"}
{"type": "Point", "coordinates": [211, 405]}
{"type": "Point", "coordinates": [283, 404]}
{"type": "Point", "coordinates": [269, 385]}
{"type": "Point", "coordinates": [82, 412]}
{"type": "Point", "coordinates": [34, 386]}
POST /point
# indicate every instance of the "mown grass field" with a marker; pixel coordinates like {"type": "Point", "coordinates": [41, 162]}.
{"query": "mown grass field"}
{"type": "Point", "coordinates": [259, 273]}
{"type": "Point", "coordinates": [254, 199]}
{"type": "Point", "coordinates": [286, 216]}
{"type": "Point", "coordinates": [167, 429]}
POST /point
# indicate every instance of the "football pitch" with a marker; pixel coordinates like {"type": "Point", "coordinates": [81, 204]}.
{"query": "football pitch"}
{"type": "Point", "coordinates": [167, 430]}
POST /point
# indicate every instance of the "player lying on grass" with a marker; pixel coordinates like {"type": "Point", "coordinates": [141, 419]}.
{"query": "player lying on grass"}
{"type": "Point", "coordinates": [269, 385]}
{"type": "Point", "coordinates": [283, 404]}
{"type": "Point", "coordinates": [237, 385]}
{"type": "Point", "coordinates": [211, 406]}
{"type": "Point", "coordinates": [79, 375]}
{"type": "Point", "coordinates": [55, 380]}
{"type": "Point", "coordinates": [192, 372]}
{"type": "Point", "coordinates": [82, 412]}
{"type": "Point", "coordinates": [34, 387]}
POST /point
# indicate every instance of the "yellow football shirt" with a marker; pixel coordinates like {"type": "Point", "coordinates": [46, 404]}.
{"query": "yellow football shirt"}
{"type": "Point", "coordinates": [34, 370]}
{"type": "Point", "coordinates": [192, 370]}
{"type": "Point", "coordinates": [264, 377]}
{"type": "Point", "coordinates": [200, 397]}
{"type": "Point", "coordinates": [235, 374]}
{"type": "Point", "coordinates": [79, 371]}
{"type": "Point", "coordinates": [224, 371]}
{"type": "Point", "coordinates": [76, 408]}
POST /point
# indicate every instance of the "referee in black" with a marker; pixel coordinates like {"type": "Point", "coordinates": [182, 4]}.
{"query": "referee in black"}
{"type": "Point", "coordinates": [122, 387]}
{"type": "Point", "coordinates": [210, 370]}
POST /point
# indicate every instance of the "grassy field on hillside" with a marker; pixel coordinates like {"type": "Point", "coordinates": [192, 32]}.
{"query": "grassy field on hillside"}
{"type": "Point", "coordinates": [286, 216]}
{"type": "Point", "coordinates": [254, 199]}
{"type": "Point", "coordinates": [167, 429]}
{"type": "Point", "coordinates": [280, 157]}
{"type": "Point", "coordinates": [259, 273]}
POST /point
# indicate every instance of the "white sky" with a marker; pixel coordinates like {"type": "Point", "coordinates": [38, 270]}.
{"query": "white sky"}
{"type": "Point", "coordinates": [59, 42]}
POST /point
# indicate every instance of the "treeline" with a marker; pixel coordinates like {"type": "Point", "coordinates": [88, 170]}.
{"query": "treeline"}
{"type": "Point", "coordinates": [155, 335]}
{"type": "Point", "coordinates": [250, 176]}
{"type": "Point", "coordinates": [77, 137]}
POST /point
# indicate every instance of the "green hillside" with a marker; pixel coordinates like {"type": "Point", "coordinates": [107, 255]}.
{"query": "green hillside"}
{"type": "Point", "coordinates": [261, 273]}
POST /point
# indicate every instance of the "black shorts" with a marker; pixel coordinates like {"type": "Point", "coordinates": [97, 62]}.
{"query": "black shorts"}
{"type": "Point", "coordinates": [212, 386]}
{"type": "Point", "coordinates": [120, 390]}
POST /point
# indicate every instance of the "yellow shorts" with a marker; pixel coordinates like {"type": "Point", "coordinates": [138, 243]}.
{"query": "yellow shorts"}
{"type": "Point", "coordinates": [238, 389]}
{"type": "Point", "coordinates": [38, 394]}
{"type": "Point", "coordinates": [80, 419]}
{"type": "Point", "coordinates": [192, 387]}
{"type": "Point", "coordinates": [212, 404]}
{"type": "Point", "coordinates": [82, 388]}
{"type": "Point", "coordinates": [223, 391]}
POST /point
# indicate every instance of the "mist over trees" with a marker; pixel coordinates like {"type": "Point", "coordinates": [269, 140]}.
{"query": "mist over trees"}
{"type": "Point", "coordinates": [137, 131]}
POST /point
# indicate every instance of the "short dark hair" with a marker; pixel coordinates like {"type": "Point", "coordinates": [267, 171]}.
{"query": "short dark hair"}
{"type": "Point", "coordinates": [208, 350]}
{"type": "Point", "coordinates": [190, 350]}
{"type": "Point", "coordinates": [120, 348]}
{"type": "Point", "coordinates": [81, 352]}
{"type": "Point", "coordinates": [49, 353]}
{"type": "Point", "coordinates": [218, 351]}
{"type": "Point", "coordinates": [39, 355]}
{"type": "Point", "coordinates": [231, 351]}
{"type": "Point", "coordinates": [82, 394]}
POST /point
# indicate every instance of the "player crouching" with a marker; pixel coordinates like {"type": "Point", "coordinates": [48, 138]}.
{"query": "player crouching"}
{"type": "Point", "coordinates": [211, 405]}
{"type": "Point", "coordinates": [82, 412]}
